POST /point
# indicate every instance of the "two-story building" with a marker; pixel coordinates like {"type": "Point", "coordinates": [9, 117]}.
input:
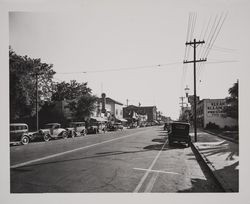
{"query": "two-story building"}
{"type": "Point", "coordinates": [106, 109]}
{"type": "Point", "coordinates": [109, 109]}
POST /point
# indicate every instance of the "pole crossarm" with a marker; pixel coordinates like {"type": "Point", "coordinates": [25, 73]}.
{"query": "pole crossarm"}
{"type": "Point", "coordinates": [195, 43]}
{"type": "Point", "coordinates": [200, 60]}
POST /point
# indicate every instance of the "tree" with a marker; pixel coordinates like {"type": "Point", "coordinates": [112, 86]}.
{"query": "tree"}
{"type": "Point", "coordinates": [186, 115]}
{"type": "Point", "coordinates": [83, 106]}
{"type": "Point", "coordinates": [232, 108]}
{"type": "Point", "coordinates": [22, 74]}
{"type": "Point", "coordinates": [69, 91]}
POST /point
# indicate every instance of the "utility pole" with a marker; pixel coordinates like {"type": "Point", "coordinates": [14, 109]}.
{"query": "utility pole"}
{"type": "Point", "coordinates": [194, 44]}
{"type": "Point", "coordinates": [127, 102]}
{"type": "Point", "coordinates": [37, 95]}
{"type": "Point", "coordinates": [37, 122]}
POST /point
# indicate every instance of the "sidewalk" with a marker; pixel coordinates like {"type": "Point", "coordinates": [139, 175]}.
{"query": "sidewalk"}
{"type": "Point", "coordinates": [222, 157]}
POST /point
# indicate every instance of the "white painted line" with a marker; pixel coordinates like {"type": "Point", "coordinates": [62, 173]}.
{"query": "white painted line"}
{"type": "Point", "coordinates": [159, 171]}
{"type": "Point", "coordinates": [151, 183]}
{"type": "Point", "coordinates": [148, 170]}
{"type": "Point", "coordinates": [70, 151]}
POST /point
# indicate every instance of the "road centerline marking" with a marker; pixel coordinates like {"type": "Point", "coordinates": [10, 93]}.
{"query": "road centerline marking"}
{"type": "Point", "coordinates": [70, 151]}
{"type": "Point", "coordinates": [159, 171]}
{"type": "Point", "coordinates": [149, 169]}
{"type": "Point", "coordinates": [151, 183]}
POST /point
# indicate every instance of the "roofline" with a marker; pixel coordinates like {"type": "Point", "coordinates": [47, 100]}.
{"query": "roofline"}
{"type": "Point", "coordinates": [141, 106]}
{"type": "Point", "coordinates": [116, 102]}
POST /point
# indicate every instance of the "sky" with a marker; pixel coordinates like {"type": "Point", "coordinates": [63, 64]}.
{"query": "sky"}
{"type": "Point", "coordinates": [144, 41]}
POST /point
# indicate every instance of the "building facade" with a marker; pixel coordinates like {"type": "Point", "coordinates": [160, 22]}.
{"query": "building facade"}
{"type": "Point", "coordinates": [148, 112]}
{"type": "Point", "coordinates": [108, 108]}
{"type": "Point", "coordinates": [211, 111]}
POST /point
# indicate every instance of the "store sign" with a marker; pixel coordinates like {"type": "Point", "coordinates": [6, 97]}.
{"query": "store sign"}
{"type": "Point", "coordinates": [215, 109]}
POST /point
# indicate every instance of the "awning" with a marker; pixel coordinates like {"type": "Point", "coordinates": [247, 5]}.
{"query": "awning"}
{"type": "Point", "coordinates": [122, 119]}
{"type": "Point", "coordinates": [99, 119]}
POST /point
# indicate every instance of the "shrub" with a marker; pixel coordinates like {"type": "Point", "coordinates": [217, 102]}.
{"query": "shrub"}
{"type": "Point", "coordinates": [212, 126]}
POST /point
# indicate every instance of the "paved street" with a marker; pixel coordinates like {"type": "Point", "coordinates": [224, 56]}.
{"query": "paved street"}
{"type": "Point", "coordinates": [133, 160]}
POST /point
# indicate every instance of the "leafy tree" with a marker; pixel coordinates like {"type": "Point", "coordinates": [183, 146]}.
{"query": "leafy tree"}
{"type": "Point", "coordinates": [186, 116]}
{"type": "Point", "coordinates": [69, 91]}
{"type": "Point", "coordinates": [83, 106]}
{"type": "Point", "coordinates": [22, 75]}
{"type": "Point", "coordinates": [232, 108]}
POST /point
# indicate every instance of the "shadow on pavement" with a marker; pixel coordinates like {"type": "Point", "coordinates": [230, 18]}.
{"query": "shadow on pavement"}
{"type": "Point", "coordinates": [166, 147]}
{"type": "Point", "coordinates": [101, 154]}
{"type": "Point", "coordinates": [163, 140]}
{"type": "Point", "coordinates": [200, 186]}
{"type": "Point", "coordinates": [221, 149]}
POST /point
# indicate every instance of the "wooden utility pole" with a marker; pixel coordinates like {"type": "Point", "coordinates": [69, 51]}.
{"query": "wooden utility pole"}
{"type": "Point", "coordinates": [194, 44]}
{"type": "Point", "coordinates": [37, 122]}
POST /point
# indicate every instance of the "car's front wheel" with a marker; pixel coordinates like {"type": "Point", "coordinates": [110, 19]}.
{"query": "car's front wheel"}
{"type": "Point", "coordinates": [64, 135]}
{"type": "Point", "coordinates": [46, 137]}
{"type": "Point", "coordinates": [73, 134]}
{"type": "Point", "coordinates": [25, 140]}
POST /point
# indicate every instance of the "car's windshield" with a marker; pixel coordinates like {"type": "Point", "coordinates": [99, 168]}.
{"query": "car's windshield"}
{"type": "Point", "coordinates": [19, 127]}
{"type": "Point", "coordinates": [48, 126]}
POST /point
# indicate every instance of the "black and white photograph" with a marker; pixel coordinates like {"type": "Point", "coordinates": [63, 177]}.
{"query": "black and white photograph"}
{"type": "Point", "coordinates": [129, 97]}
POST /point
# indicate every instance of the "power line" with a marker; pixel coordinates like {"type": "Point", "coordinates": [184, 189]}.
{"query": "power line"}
{"type": "Point", "coordinates": [213, 38]}
{"type": "Point", "coordinates": [203, 51]}
{"type": "Point", "coordinates": [188, 38]}
{"type": "Point", "coordinates": [190, 33]}
{"type": "Point", "coordinates": [159, 66]}
{"type": "Point", "coordinates": [225, 61]}
{"type": "Point", "coordinates": [224, 48]}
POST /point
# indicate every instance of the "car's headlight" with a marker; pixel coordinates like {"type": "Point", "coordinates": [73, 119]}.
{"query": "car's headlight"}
{"type": "Point", "coordinates": [40, 132]}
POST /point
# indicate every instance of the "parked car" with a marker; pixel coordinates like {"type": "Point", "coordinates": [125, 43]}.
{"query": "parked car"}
{"type": "Point", "coordinates": [179, 132]}
{"type": "Point", "coordinates": [92, 128]}
{"type": "Point", "coordinates": [114, 126]}
{"type": "Point", "coordinates": [53, 131]}
{"type": "Point", "coordinates": [19, 133]}
{"type": "Point", "coordinates": [76, 129]}
{"type": "Point", "coordinates": [118, 126]}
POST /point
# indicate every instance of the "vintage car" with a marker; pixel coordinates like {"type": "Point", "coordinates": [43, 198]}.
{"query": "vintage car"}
{"type": "Point", "coordinates": [19, 133]}
{"type": "Point", "coordinates": [114, 126]}
{"type": "Point", "coordinates": [53, 131]}
{"type": "Point", "coordinates": [96, 127]}
{"type": "Point", "coordinates": [179, 132]}
{"type": "Point", "coordinates": [76, 129]}
{"type": "Point", "coordinates": [118, 126]}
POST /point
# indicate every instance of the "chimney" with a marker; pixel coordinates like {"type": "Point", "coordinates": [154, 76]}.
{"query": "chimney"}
{"type": "Point", "coordinates": [103, 102]}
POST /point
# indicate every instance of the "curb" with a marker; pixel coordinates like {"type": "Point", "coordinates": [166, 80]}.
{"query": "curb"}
{"type": "Point", "coordinates": [219, 180]}
{"type": "Point", "coordinates": [221, 136]}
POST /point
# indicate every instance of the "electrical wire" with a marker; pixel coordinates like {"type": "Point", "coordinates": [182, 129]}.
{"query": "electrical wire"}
{"type": "Point", "coordinates": [213, 39]}
{"type": "Point", "coordinates": [122, 69]}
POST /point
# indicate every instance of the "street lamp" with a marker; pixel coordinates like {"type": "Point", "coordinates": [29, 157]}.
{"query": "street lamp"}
{"type": "Point", "coordinates": [186, 91]}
